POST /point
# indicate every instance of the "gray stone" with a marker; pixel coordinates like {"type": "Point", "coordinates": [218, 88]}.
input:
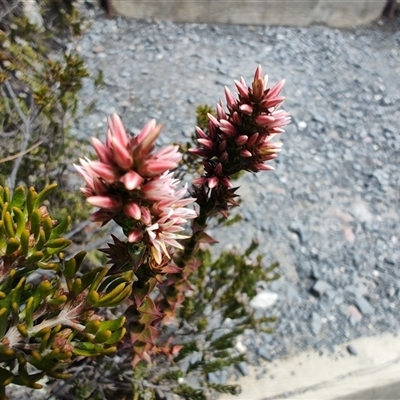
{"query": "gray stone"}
{"type": "Point", "coordinates": [320, 287]}
{"type": "Point", "coordinates": [264, 354]}
{"type": "Point", "coordinates": [352, 350]}
{"type": "Point", "coordinates": [315, 323]}
{"type": "Point", "coordinates": [299, 229]}
{"type": "Point", "coordinates": [364, 305]}
{"type": "Point", "coordinates": [243, 368]}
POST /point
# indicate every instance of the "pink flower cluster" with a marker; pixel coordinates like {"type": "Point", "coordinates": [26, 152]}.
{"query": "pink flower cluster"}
{"type": "Point", "coordinates": [239, 138]}
{"type": "Point", "coordinates": [131, 184]}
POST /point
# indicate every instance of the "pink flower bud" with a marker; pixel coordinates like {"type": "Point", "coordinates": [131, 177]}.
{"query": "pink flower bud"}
{"type": "Point", "coordinates": [208, 144]}
{"type": "Point", "coordinates": [242, 89]}
{"type": "Point", "coordinates": [102, 151]}
{"type": "Point", "coordinates": [264, 119]}
{"type": "Point", "coordinates": [241, 140]}
{"type": "Point", "coordinates": [106, 202]}
{"type": "Point", "coordinates": [135, 235]}
{"type": "Point", "coordinates": [118, 131]}
{"type": "Point", "coordinates": [122, 156]}
{"type": "Point", "coordinates": [131, 180]}
{"type": "Point", "coordinates": [276, 89]}
{"type": "Point", "coordinates": [213, 120]}
{"type": "Point", "coordinates": [247, 109]}
{"type": "Point", "coordinates": [230, 100]}
{"type": "Point", "coordinates": [212, 182]}
{"type": "Point", "coordinates": [146, 215]}
{"type": "Point", "coordinates": [105, 171]}
{"type": "Point", "coordinates": [133, 210]}
{"type": "Point", "coordinates": [245, 153]}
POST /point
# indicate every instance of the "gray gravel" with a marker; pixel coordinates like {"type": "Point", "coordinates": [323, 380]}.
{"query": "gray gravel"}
{"type": "Point", "coordinates": [330, 212]}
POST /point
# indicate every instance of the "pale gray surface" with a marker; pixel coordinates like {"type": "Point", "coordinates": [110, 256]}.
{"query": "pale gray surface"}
{"type": "Point", "coordinates": [372, 374]}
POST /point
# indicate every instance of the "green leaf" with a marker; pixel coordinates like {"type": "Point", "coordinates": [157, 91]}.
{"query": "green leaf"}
{"type": "Point", "coordinates": [112, 279]}
{"type": "Point", "coordinates": [18, 198]}
{"type": "Point", "coordinates": [90, 276]}
{"type": "Point", "coordinates": [30, 201]}
{"type": "Point", "coordinates": [116, 337]}
{"type": "Point", "coordinates": [44, 289]}
{"type": "Point", "coordinates": [112, 324]}
{"type": "Point", "coordinates": [86, 349]}
{"type": "Point", "coordinates": [59, 229]}
{"type": "Point", "coordinates": [3, 321]}
{"type": "Point", "coordinates": [96, 282]}
{"type": "Point", "coordinates": [70, 268]}
{"type": "Point", "coordinates": [23, 330]}
{"type": "Point", "coordinates": [17, 292]}
{"type": "Point", "coordinates": [35, 219]}
{"type": "Point", "coordinates": [103, 336]}
{"type": "Point", "coordinates": [24, 239]}
{"type": "Point", "coordinates": [92, 327]}
{"type": "Point", "coordinates": [6, 195]}
{"type": "Point", "coordinates": [47, 227]}
{"type": "Point", "coordinates": [49, 251]}
{"type": "Point", "coordinates": [8, 225]}
{"type": "Point", "coordinates": [35, 257]}
{"type": "Point", "coordinates": [58, 243]}
{"type": "Point", "coordinates": [2, 237]}
{"type": "Point", "coordinates": [43, 194]}
{"type": "Point", "coordinates": [19, 218]}
{"type": "Point", "coordinates": [4, 210]}
{"type": "Point", "coordinates": [6, 352]}
{"type": "Point", "coordinates": [41, 239]}
{"type": "Point", "coordinates": [6, 377]}
{"type": "Point", "coordinates": [12, 245]}
{"type": "Point", "coordinates": [58, 301]}
{"type": "Point", "coordinates": [116, 296]}
{"type": "Point", "coordinates": [79, 258]}
{"type": "Point", "coordinates": [29, 309]}
{"type": "Point", "coordinates": [77, 286]}
{"type": "Point", "coordinates": [93, 297]}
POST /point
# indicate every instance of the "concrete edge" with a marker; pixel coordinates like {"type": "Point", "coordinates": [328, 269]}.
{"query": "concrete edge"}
{"type": "Point", "coordinates": [339, 14]}
{"type": "Point", "coordinates": [373, 373]}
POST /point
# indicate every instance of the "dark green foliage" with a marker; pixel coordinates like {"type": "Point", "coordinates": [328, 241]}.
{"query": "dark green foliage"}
{"type": "Point", "coordinates": [40, 81]}
{"type": "Point", "coordinates": [48, 321]}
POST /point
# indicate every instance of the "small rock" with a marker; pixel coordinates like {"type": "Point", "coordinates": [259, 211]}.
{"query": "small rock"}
{"type": "Point", "coordinates": [364, 305]}
{"type": "Point", "coordinates": [264, 300]}
{"type": "Point", "coordinates": [315, 323]}
{"type": "Point", "coordinates": [243, 368]}
{"type": "Point", "coordinates": [348, 234]}
{"type": "Point", "coordinates": [390, 260]}
{"type": "Point", "coordinates": [98, 49]}
{"type": "Point", "coordinates": [301, 125]}
{"type": "Point", "coordinates": [265, 354]}
{"type": "Point", "coordinates": [351, 349]}
{"type": "Point", "coordinates": [240, 347]}
{"type": "Point", "coordinates": [320, 287]}
{"type": "Point", "coordinates": [299, 229]}
{"type": "Point", "coordinates": [354, 315]}
{"type": "Point", "coordinates": [319, 118]}
{"type": "Point", "coordinates": [213, 377]}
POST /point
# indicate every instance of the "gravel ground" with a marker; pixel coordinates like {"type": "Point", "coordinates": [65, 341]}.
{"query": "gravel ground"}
{"type": "Point", "coordinates": [330, 212]}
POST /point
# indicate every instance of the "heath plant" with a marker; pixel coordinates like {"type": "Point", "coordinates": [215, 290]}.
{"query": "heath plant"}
{"type": "Point", "coordinates": [166, 284]}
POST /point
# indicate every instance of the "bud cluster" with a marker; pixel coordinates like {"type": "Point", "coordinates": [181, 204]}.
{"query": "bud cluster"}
{"type": "Point", "coordinates": [240, 137]}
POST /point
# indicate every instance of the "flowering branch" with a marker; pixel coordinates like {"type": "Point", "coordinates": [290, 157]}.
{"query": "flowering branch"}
{"type": "Point", "coordinates": [238, 139]}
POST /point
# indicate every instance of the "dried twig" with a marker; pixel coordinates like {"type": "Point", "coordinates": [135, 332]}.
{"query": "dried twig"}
{"type": "Point", "coordinates": [12, 7]}
{"type": "Point", "coordinates": [21, 153]}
